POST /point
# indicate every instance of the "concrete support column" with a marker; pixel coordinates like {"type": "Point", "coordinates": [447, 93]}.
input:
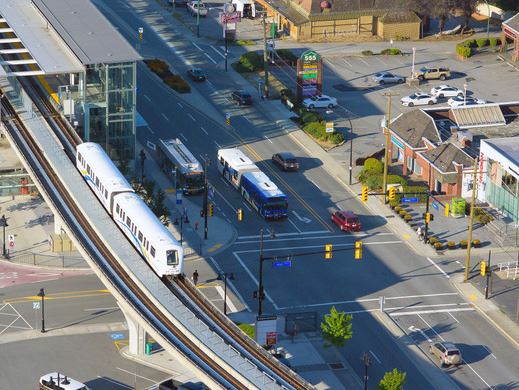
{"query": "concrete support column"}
{"type": "Point", "coordinates": [58, 225]}
{"type": "Point", "coordinates": [136, 336]}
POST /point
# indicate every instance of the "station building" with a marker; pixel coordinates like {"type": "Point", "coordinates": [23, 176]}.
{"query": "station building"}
{"type": "Point", "coordinates": [85, 66]}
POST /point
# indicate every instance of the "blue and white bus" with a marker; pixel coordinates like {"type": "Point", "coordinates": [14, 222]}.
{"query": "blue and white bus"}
{"type": "Point", "coordinates": [257, 189]}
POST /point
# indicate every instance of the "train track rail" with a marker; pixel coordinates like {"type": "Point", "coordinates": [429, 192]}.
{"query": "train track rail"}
{"type": "Point", "coordinates": [186, 293]}
{"type": "Point", "coordinates": [28, 146]}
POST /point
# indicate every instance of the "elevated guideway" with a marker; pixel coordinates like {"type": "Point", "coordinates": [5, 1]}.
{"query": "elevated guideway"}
{"type": "Point", "coordinates": [148, 304]}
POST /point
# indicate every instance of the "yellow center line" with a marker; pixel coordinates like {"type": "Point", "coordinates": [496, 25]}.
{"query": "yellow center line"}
{"type": "Point", "coordinates": [56, 296]}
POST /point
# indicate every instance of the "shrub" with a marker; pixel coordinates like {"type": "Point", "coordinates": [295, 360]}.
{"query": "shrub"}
{"type": "Point", "coordinates": [177, 83]}
{"type": "Point", "coordinates": [335, 138]}
{"type": "Point", "coordinates": [157, 66]}
{"type": "Point", "coordinates": [373, 165]}
{"type": "Point", "coordinates": [245, 42]}
{"type": "Point", "coordinates": [310, 116]}
{"type": "Point", "coordinates": [469, 43]}
{"type": "Point", "coordinates": [398, 209]}
{"type": "Point", "coordinates": [393, 204]}
{"type": "Point", "coordinates": [174, 81]}
{"type": "Point", "coordinates": [395, 179]}
{"type": "Point", "coordinates": [402, 213]}
{"type": "Point", "coordinates": [493, 42]}
{"type": "Point", "coordinates": [408, 217]}
{"type": "Point", "coordinates": [463, 51]}
{"type": "Point", "coordinates": [433, 240]}
{"type": "Point", "coordinates": [481, 42]}
{"type": "Point", "coordinates": [392, 52]}
{"type": "Point", "coordinates": [374, 182]}
{"type": "Point", "coordinates": [367, 53]}
{"type": "Point", "coordinates": [251, 61]}
{"type": "Point", "coordinates": [463, 244]}
{"type": "Point", "coordinates": [451, 245]}
{"type": "Point", "coordinates": [476, 243]}
{"type": "Point", "coordinates": [438, 246]}
{"type": "Point", "coordinates": [316, 130]}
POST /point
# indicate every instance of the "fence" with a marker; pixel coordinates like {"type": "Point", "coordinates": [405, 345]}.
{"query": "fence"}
{"type": "Point", "coordinates": [511, 268]}
{"type": "Point", "coordinates": [49, 260]}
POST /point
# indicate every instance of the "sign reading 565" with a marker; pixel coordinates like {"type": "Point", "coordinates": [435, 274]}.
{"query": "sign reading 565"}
{"type": "Point", "coordinates": [310, 56]}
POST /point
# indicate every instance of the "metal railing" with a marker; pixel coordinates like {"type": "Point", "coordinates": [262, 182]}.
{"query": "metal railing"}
{"type": "Point", "coordinates": [510, 268]}
{"type": "Point", "coordinates": [58, 261]}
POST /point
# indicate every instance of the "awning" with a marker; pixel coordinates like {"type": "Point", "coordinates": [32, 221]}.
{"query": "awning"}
{"type": "Point", "coordinates": [478, 115]}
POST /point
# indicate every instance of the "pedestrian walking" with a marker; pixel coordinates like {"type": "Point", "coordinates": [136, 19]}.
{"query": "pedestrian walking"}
{"type": "Point", "coordinates": [196, 225]}
{"type": "Point", "coordinates": [195, 277]}
{"type": "Point", "coordinates": [419, 233]}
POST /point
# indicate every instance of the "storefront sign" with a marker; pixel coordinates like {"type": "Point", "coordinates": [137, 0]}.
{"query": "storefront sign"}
{"type": "Point", "coordinates": [397, 142]}
{"type": "Point", "coordinates": [309, 74]}
{"type": "Point", "coordinates": [232, 17]}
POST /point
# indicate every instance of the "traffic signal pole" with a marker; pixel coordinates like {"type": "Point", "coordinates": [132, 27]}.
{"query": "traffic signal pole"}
{"type": "Point", "coordinates": [471, 220]}
{"type": "Point", "coordinates": [206, 227]}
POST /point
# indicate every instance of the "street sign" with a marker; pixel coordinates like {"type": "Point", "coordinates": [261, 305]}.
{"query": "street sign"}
{"type": "Point", "coordinates": [409, 200]}
{"type": "Point", "coordinates": [435, 205]}
{"type": "Point", "coordinates": [117, 336]}
{"type": "Point", "coordinates": [178, 197]}
{"type": "Point", "coordinates": [272, 338]}
{"type": "Point", "coordinates": [232, 17]}
{"type": "Point", "coordinates": [227, 115]}
{"type": "Point", "coordinates": [36, 305]}
{"type": "Point", "coordinates": [279, 264]}
{"type": "Point", "coordinates": [210, 193]}
{"type": "Point", "coordinates": [330, 128]}
{"type": "Point", "coordinates": [141, 30]}
{"type": "Point", "coordinates": [10, 238]}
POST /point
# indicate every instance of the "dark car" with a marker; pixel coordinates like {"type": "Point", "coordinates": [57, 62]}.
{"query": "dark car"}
{"type": "Point", "coordinates": [346, 220]}
{"type": "Point", "coordinates": [197, 74]}
{"type": "Point", "coordinates": [286, 161]}
{"type": "Point", "coordinates": [242, 98]}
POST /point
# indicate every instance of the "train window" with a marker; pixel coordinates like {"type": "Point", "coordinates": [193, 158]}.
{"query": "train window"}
{"type": "Point", "coordinates": [140, 236]}
{"type": "Point", "coordinates": [106, 194]}
{"type": "Point", "coordinates": [144, 242]}
{"type": "Point", "coordinates": [89, 170]}
{"type": "Point", "coordinates": [152, 251]}
{"type": "Point", "coordinates": [128, 221]}
{"type": "Point", "coordinates": [80, 157]}
{"type": "Point", "coordinates": [148, 246]}
{"type": "Point", "coordinates": [171, 258]}
{"type": "Point", "coordinates": [97, 182]}
{"type": "Point", "coordinates": [117, 209]}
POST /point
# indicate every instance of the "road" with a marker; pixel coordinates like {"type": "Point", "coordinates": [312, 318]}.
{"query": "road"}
{"type": "Point", "coordinates": [419, 295]}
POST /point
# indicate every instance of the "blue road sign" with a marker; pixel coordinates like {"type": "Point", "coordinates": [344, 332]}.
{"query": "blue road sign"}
{"type": "Point", "coordinates": [211, 193]}
{"type": "Point", "coordinates": [117, 336]}
{"type": "Point", "coordinates": [179, 197]}
{"type": "Point", "coordinates": [435, 206]}
{"type": "Point", "coordinates": [279, 264]}
{"type": "Point", "coordinates": [409, 200]}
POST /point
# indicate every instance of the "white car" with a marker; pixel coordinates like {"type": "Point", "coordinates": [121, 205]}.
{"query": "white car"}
{"type": "Point", "coordinates": [321, 101]}
{"type": "Point", "coordinates": [460, 101]}
{"type": "Point", "coordinates": [446, 91]}
{"type": "Point", "coordinates": [418, 99]}
{"type": "Point", "coordinates": [387, 78]}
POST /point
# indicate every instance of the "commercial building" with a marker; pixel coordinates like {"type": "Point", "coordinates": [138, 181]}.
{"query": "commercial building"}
{"type": "Point", "coordinates": [510, 28]}
{"type": "Point", "coordinates": [314, 20]}
{"type": "Point", "coordinates": [86, 67]}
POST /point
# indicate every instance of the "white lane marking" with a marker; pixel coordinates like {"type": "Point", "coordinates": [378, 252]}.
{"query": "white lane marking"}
{"type": "Point", "coordinates": [102, 308]}
{"type": "Point", "coordinates": [212, 87]}
{"type": "Point", "coordinates": [313, 182]}
{"type": "Point", "coordinates": [302, 219]}
{"type": "Point", "coordinates": [135, 374]}
{"type": "Point", "coordinates": [217, 144]}
{"type": "Point", "coordinates": [365, 63]}
{"type": "Point", "coordinates": [409, 313]}
{"type": "Point", "coordinates": [267, 295]}
{"type": "Point", "coordinates": [164, 116]}
{"type": "Point", "coordinates": [183, 137]}
{"type": "Point", "coordinates": [284, 234]}
{"type": "Point", "coordinates": [319, 246]}
{"type": "Point", "coordinates": [229, 302]}
{"type": "Point", "coordinates": [348, 63]}
{"type": "Point", "coordinates": [217, 51]}
{"type": "Point", "coordinates": [229, 282]}
{"type": "Point", "coordinates": [346, 237]}
{"type": "Point", "coordinates": [490, 352]}
{"type": "Point", "coordinates": [104, 378]}
{"type": "Point", "coordinates": [146, 97]}
{"type": "Point", "coordinates": [247, 119]}
{"type": "Point", "coordinates": [180, 105]}
{"type": "Point", "coordinates": [375, 234]}
{"type": "Point", "coordinates": [191, 116]}
{"type": "Point", "coordinates": [198, 47]}
{"type": "Point", "coordinates": [479, 376]}
{"type": "Point", "coordinates": [246, 205]}
{"type": "Point", "coordinates": [454, 318]}
{"type": "Point", "coordinates": [206, 133]}
{"type": "Point", "coordinates": [151, 131]}
{"type": "Point", "coordinates": [208, 56]}
{"type": "Point", "coordinates": [294, 225]}
{"type": "Point", "coordinates": [375, 356]}
{"type": "Point", "coordinates": [224, 199]}
{"type": "Point", "coordinates": [268, 139]}
{"type": "Point", "coordinates": [438, 267]}
{"type": "Point", "coordinates": [224, 181]}
{"type": "Point", "coordinates": [430, 327]}
{"type": "Point", "coordinates": [413, 329]}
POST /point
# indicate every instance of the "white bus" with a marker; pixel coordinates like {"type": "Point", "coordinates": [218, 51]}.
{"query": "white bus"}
{"type": "Point", "coordinates": [179, 164]}
{"type": "Point", "coordinates": [57, 381]}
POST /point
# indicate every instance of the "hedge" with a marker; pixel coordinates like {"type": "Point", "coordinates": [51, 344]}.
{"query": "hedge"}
{"type": "Point", "coordinates": [174, 81]}
{"type": "Point", "coordinates": [463, 51]}
{"type": "Point", "coordinates": [251, 61]}
{"type": "Point", "coordinates": [310, 116]}
{"type": "Point", "coordinates": [407, 189]}
{"type": "Point", "coordinates": [392, 51]}
{"type": "Point", "coordinates": [373, 165]}
{"type": "Point", "coordinates": [493, 42]}
{"type": "Point", "coordinates": [375, 182]}
{"type": "Point", "coordinates": [367, 53]}
{"type": "Point", "coordinates": [318, 131]}
{"type": "Point", "coordinates": [481, 42]}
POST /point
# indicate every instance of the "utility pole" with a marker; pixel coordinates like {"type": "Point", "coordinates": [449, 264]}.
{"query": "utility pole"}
{"type": "Point", "coordinates": [488, 275]}
{"type": "Point", "coordinates": [386, 150]}
{"type": "Point", "coordinates": [471, 220]}
{"type": "Point", "coordinates": [351, 150]}
{"type": "Point", "coordinates": [206, 228]}
{"type": "Point", "coordinates": [265, 59]}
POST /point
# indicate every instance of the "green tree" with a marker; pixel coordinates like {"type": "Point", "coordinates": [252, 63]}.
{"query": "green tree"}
{"type": "Point", "coordinates": [336, 328]}
{"type": "Point", "coordinates": [468, 7]}
{"type": "Point", "coordinates": [159, 208]}
{"type": "Point", "coordinates": [393, 380]}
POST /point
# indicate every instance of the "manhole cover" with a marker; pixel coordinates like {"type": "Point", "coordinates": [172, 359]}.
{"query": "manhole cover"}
{"type": "Point", "coordinates": [336, 366]}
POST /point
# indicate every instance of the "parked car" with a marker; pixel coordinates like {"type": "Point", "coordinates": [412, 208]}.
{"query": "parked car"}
{"type": "Point", "coordinates": [418, 99]}
{"type": "Point", "coordinates": [459, 101]}
{"type": "Point", "coordinates": [432, 73]}
{"type": "Point", "coordinates": [322, 101]}
{"type": "Point", "coordinates": [446, 91]}
{"type": "Point", "coordinates": [347, 221]}
{"type": "Point", "coordinates": [242, 98]}
{"type": "Point", "coordinates": [286, 161]}
{"type": "Point", "coordinates": [387, 78]}
{"type": "Point", "coordinates": [196, 74]}
{"type": "Point", "coordinates": [195, 6]}
{"type": "Point", "coordinates": [447, 352]}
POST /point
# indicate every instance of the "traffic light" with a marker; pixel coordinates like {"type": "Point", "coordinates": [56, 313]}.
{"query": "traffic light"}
{"type": "Point", "coordinates": [358, 250]}
{"type": "Point", "coordinates": [428, 217]}
{"type": "Point", "coordinates": [328, 251]}
{"type": "Point", "coordinates": [210, 209]}
{"type": "Point", "coordinates": [392, 193]}
{"type": "Point", "coordinates": [483, 268]}
{"type": "Point", "coordinates": [240, 214]}
{"type": "Point", "coordinates": [365, 193]}
{"type": "Point", "coordinates": [446, 209]}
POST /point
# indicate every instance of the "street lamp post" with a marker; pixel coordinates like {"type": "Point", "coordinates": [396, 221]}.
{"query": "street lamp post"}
{"type": "Point", "coordinates": [412, 69]}
{"type": "Point", "coordinates": [367, 362]}
{"type": "Point", "coordinates": [142, 155]}
{"type": "Point", "coordinates": [260, 293]}
{"type": "Point", "coordinates": [206, 194]}
{"type": "Point", "coordinates": [223, 276]}
{"type": "Point", "coordinates": [42, 295]}
{"type": "Point", "coordinates": [465, 94]}
{"type": "Point", "coordinates": [4, 224]}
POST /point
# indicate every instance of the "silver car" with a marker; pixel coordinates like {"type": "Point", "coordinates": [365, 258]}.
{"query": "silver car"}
{"type": "Point", "coordinates": [388, 78]}
{"type": "Point", "coordinates": [447, 352]}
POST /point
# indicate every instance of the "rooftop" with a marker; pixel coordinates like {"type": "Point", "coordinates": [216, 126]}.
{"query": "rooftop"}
{"type": "Point", "coordinates": [413, 126]}
{"type": "Point", "coordinates": [446, 156]}
{"type": "Point", "coordinates": [508, 147]}
{"type": "Point", "coordinates": [513, 22]}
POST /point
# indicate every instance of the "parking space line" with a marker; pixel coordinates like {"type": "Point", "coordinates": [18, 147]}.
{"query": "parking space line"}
{"type": "Point", "coordinates": [180, 105]}
{"type": "Point", "coordinates": [191, 116]}
{"type": "Point", "coordinates": [313, 182]}
{"type": "Point", "coordinates": [454, 318]}
{"type": "Point", "coordinates": [183, 137]}
{"type": "Point", "coordinates": [268, 139]}
{"type": "Point", "coordinates": [146, 97]}
{"type": "Point", "coordinates": [164, 116]}
{"type": "Point", "coordinates": [438, 267]}
{"type": "Point", "coordinates": [490, 352]}
{"type": "Point", "coordinates": [217, 51]}
{"type": "Point", "coordinates": [198, 47]}
{"type": "Point", "coordinates": [375, 356]}
{"type": "Point", "coordinates": [135, 374]}
{"type": "Point", "coordinates": [364, 62]}
{"type": "Point", "coordinates": [206, 133]}
{"type": "Point", "coordinates": [479, 376]}
{"type": "Point", "coordinates": [348, 63]}
{"type": "Point", "coordinates": [217, 144]}
{"type": "Point", "coordinates": [208, 56]}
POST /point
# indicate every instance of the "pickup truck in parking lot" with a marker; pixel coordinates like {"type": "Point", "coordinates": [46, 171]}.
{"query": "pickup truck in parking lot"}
{"type": "Point", "coordinates": [195, 6]}
{"type": "Point", "coordinates": [432, 74]}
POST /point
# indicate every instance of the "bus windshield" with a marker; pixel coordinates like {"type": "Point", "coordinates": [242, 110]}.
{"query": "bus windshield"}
{"type": "Point", "coordinates": [276, 204]}
{"type": "Point", "coordinates": [194, 180]}
{"type": "Point", "coordinates": [171, 257]}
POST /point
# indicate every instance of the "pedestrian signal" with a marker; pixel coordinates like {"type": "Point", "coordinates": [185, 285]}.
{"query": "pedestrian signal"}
{"type": "Point", "coordinates": [358, 250]}
{"type": "Point", "coordinates": [328, 251]}
{"type": "Point", "coordinates": [392, 193]}
{"type": "Point", "coordinates": [483, 268]}
{"type": "Point", "coordinates": [365, 193]}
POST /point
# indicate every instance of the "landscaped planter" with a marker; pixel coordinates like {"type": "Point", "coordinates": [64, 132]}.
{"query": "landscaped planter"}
{"type": "Point", "coordinates": [463, 244]}
{"type": "Point", "coordinates": [438, 246]}
{"type": "Point", "coordinates": [451, 245]}
{"type": "Point", "coordinates": [476, 243]}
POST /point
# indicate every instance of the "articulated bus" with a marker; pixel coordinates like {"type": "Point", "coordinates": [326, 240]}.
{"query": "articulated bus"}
{"type": "Point", "coordinates": [57, 381]}
{"type": "Point", "coordinates": [257, 189]}
{"type": "Point", "coordinates": [179, 164]}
